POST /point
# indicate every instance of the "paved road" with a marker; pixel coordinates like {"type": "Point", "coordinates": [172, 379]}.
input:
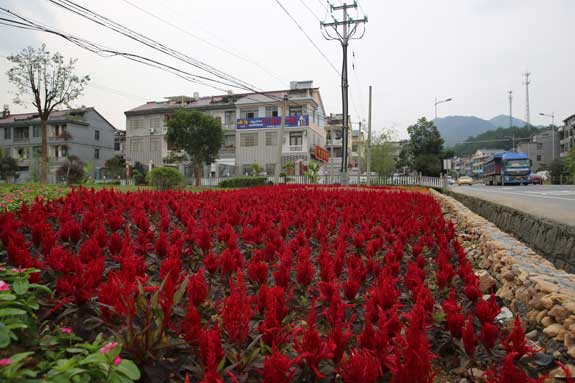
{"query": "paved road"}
{"type": "Point", "coordinates": [554, 202]}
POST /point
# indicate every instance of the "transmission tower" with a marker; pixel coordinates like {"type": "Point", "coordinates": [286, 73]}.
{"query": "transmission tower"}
{"type": "Point", "coordinates": [510, 108]}
{"type": "Point", "coordinates": [527, 112]}
{"type": "Point", "coordinates": [349, 31]}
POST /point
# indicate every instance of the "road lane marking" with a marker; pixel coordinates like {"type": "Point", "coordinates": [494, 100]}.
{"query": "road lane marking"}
{"type": "Point", "coordinates": [528, 195]}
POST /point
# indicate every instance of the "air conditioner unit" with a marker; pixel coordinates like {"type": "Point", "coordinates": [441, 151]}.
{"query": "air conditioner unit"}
{"type": "Point", "coordinates": [152, 130]}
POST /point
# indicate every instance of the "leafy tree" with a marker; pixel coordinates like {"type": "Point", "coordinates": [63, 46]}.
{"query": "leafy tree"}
{"type": "Point", "coordinates": [72, 171]}
{"type": "Point", "coordinates": [116, 167]}
{"type": "Point", "coordinates": [428, 165]}
{"type": "Point", "coordinates": [199, 135]}
{"type": "Point", "coordinates": [382, 161]}
{"type": "Point", "coordinates": [557, 170]}
{"type": "Point", "coordinates": [257, 169]}
{"type": "Point", "coordinates": [8, 167]}
{"type": "Point", "coordinates": [165, 177]}
{"type": "Point", "coordinates": [139, 173]}
{"type": "Point", "coordinates": [312, 172]}
{"type": "Point", "coordinates": [570, 162]}
{"type": "Point", "coordinates": [424, 149]}
{"type": "Point", "coordinates": [50, 81]}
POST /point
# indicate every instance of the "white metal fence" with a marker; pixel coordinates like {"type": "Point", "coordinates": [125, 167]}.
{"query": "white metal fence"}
{"type": "Point", "coordinates": [434, 182]}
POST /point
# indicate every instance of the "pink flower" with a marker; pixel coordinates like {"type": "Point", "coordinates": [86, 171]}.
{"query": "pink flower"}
{"type": "Point", "coordinates": [4, 286]}
{"type": "Point", "coordinates": [66, 330]}
{"type": "Point", "coordinates": [108, 347]}
{"type": "Point", "coordinates": [117, 360]}
{"type": "Point", "coordinates": [5, 362]}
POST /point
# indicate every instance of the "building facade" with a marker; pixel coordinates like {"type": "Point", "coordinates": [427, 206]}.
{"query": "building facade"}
{"type": "Point", "coordinates": [82, 132]}
{"type": "Point", "coordinates": [358, 150]}
{"type": "Point", "coordinates": [251, 124]}
{"type": "Point", "coordinates": [334, 141]}
{"type": "Point", "coordinates": [567, 136]}
{"type": "Point", "coordinates": [539, 148]}
{"type": "Point", "coordinates": [462, 166]}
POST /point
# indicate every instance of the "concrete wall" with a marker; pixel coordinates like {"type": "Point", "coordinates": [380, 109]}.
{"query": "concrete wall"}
{"type": "Point", "coordinates": [554, 241]}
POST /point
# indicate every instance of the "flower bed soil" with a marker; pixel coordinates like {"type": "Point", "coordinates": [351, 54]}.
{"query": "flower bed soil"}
{"type": "Point", "coordinates": [273, 284]}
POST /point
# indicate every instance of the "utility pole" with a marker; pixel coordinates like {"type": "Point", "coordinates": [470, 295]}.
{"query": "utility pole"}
{"type": "Point", "coordinates": [527, 112]}
{"type": "Point", "coordinates": [369, 141]}
{"type": "Point", "coordinates": [280, 140]}
{"type": "Point", "coordinates": [510, 108]}
{"type": "Point", "coordinates": [349, 32]}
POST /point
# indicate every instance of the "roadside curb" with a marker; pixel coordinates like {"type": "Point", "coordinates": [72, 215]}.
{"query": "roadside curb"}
{"type": "Point", "coordinates": [533, 285]}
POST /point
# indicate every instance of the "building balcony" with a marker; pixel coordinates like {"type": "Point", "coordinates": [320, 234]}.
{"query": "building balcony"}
{"type": "Point", "coordinates": [21, 139]}
{"type": "Point", "coordinates": [295, 148]}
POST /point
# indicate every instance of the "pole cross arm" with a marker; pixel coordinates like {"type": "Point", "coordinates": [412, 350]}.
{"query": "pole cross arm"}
{"type": "Point", "coordinates": [349, 22]}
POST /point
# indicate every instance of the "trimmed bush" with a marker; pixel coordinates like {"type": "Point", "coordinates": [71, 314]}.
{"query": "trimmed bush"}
{"type": "Point", "coordinates": [165, 177]}
{"type": "Point", "coordinates": [243, 182]}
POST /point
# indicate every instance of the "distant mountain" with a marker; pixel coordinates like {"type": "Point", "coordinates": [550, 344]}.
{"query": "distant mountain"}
{"type": "Point", "coordinates": [456, 129]}
{"type": "Point", "coordinates": [502, 121]}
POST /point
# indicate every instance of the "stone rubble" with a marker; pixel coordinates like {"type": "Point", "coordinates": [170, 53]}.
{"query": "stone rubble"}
{"type": "Point", "coordinates": [521, 276]}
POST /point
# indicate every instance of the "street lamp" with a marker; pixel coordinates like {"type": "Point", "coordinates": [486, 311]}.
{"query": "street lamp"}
{"type": "Point", "coordinates": [440, 102]}
{"type": "Point", "coordinates": [552, 115]}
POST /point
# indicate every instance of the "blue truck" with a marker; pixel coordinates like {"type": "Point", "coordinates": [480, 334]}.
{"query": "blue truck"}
{"type": "Point", "coordinates": [507, 168]}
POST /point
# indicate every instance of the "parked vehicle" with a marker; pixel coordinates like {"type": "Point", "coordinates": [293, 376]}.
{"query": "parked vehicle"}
{"type": "Point", "coordinates": [536, 179]}
{"type": "Point", "coordinates": [507, 168]}
{"type": "Point", "coordinates": [465, 180]}
{"type": "Point", "coordinates": [450, 180]}
{"type": "Point", "coordinates": [545, 175]}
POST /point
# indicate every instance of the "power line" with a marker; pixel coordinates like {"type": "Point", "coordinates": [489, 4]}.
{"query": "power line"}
{"type": "Point", "coordinates": [205, 41]}
{"type": "Point", "coordinates": [360, 7]}
{"type": "Point", "coordinates": [307, 36]}
{"type": "Point", "coordinates": [310, 10]}
{"type": "Point", "coordinates": [136, 36]}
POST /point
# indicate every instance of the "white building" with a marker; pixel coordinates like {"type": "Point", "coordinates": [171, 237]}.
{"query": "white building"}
{"type": "Point", "coordinates": [250, 122]}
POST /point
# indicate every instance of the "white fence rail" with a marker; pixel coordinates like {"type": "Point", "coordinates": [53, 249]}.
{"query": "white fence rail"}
{"type": "Point", "coordinates": [434, 182]}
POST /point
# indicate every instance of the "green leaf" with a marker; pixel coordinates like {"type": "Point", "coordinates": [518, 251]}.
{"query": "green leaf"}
{"type": "Point", "coordinates": [96, 357]}
{"type": "Point", "coordinates": [7, 297]}
{"type": "Point", "coordinates": [11, 312]}
{"type": "Point", "coordinates": [129, 368]}
{"type": "Point", "coordinates": [21, 356]}
{"type": "Point", "coordinates": [75, 350]}
{"type": "Point", "coordinates": [178, 294]}
{"type": "Point", "coordinates": [36, 286]}
{"type": "Point", "coordinates": [21, 286]}
{"type": "Point", "coordinates": [5, 336]}
{"type": "Point", "coordinates": [438, 316]}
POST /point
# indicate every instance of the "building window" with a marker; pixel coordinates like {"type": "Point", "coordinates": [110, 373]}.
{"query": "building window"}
{"type": "Point", "coordinates": [60, 151]}
{"type": "Point", "coordinates": [136, 145]}
{"type": "Point", "coordinates": [136, 124]}
{"type": "Point", "coordinates": [59, 130]}
{"type": "Point", "coordinates": [230, 117]}
{"type": "Point", "coordinates": [155, 144]}
{"type": "Point", "coordinates": [229, 141]}
{"type": "Point", "coordinates": [97, 135]}
{"type": "Point", "coordinates": [97, 154]}
{"type": "Point", "coordinates": [539, 146]}
{"type": "Point", "coordinates": [270, 169]}
{"type": "Point", "coordinates": [155, 124]}
{"type": "Point", "coordinates": [7, 133]}
{"type": "Point", "coordinates": [249, 113]}
{"type": "Point", "coordinates": [22, 153]}
{"type": "Point", "coordinates": [271, 111]}
{"type": "Point", "coordinates": [271, 138]}
{"type": "Point", "coordinates": [295, 110]}
{"type": "Point", "coordinates": [295, 139]}
{"type": "Point", "coordinates": [538, 157]}
{"type": "Point", "coordinates": [21, 133]}
{"type": "Point", "coordinates": [36, 131]}
{"type": "Point", "coordinates": [248, 139]}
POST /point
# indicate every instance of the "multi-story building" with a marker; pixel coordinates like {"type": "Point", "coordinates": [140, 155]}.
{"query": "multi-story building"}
{"type": "Point", "coordinates": [82, 132]}
{"type": "Point", "coordinates": [251, 123]}
{"type": "Point", "coordinates": [567, 136]}
{"type": "Point", "coordinates": [539, 148]}
{"type": "Point", "coordinates": [462, 166]}
{"type": "Point", "coordinates": [479, 158]}
{"type": "Point", "coordinates": [334, 141]}
{"type": "Point", "coordinates": [358, 150]}
{"type": "Point", "coordinates": [120, 143]}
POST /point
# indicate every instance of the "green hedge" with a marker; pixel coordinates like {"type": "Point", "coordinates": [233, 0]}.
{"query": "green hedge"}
{"type": "Point", "coordinates": [165, 177]}
{"type": "Point", "coordinates": [243, 182]}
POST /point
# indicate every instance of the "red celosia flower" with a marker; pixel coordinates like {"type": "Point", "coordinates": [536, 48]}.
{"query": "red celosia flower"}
{"type": "Point", "coordinates": [487, 311]}
{"type": "Point", "coordinates": [237, 311]}
{"type": "Point", "coordinates": [191, 326]}
{"type": "Point", "coordinates": [197, 288]}
{"type": "Point", "coordinates": [468, 337]}
{"type": "Point", "coordinates": [489, 333]}
{"type": "Point", "coordinates": [516, 342]}
{"type": "Point", "coordinates": [361, 366]}
{"type": "Point", "coordinates": [278, 367]}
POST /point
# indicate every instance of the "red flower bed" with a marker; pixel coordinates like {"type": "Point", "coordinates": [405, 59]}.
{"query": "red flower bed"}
{"type": "Point", "coordinates": [272, 284]}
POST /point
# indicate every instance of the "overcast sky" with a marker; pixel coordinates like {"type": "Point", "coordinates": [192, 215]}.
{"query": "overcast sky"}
{"type": "Point", "coordinates": [473, 51]}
